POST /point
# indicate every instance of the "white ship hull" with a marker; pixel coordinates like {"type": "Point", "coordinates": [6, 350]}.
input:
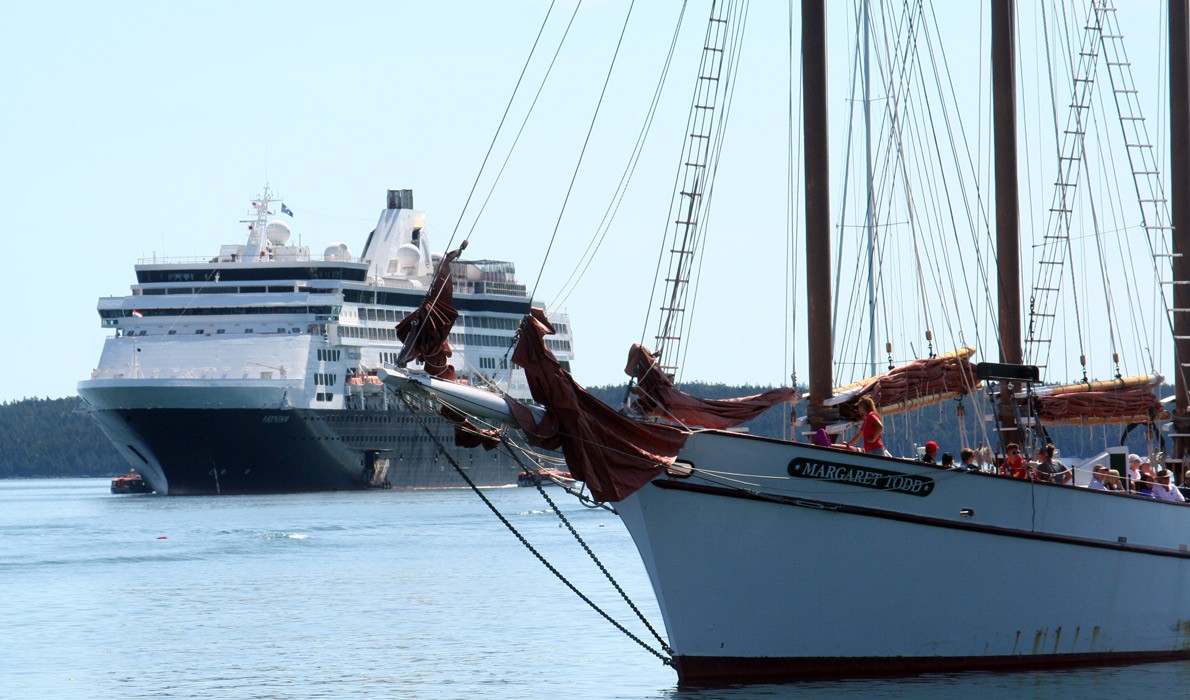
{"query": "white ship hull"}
{"type": "Point", "coordinates": [763, 575]}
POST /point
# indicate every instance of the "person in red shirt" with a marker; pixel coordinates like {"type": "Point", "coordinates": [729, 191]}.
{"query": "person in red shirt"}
{"type": "Point", "coordinates": [872, 429]}
{"type": "Point", "coordinates": [1015, 464]}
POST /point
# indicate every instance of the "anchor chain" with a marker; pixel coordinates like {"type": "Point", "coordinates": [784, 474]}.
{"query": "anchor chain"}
{"type": "Point", "coordinates": [594, 558]}
{"type": "Point", "coordinates": [532, 550]}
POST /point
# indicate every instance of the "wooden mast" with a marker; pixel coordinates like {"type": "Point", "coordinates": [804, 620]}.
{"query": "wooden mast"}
{"type": "Point", "coordinates": [818, 225]}
{"type": "Point", "coordinates": [1179, 133]}
{"type": "Point", "coordinates": [1007, 202]}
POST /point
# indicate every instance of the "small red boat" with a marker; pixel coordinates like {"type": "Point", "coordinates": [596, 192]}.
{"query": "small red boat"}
{"type": "Point", "coordinates": [131, 483]}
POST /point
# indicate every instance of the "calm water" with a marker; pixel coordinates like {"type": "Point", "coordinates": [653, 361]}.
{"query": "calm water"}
{"type": "Point", "coordinates": [361, 595]}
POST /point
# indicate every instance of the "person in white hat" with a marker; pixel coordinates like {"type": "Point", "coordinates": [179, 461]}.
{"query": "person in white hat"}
{"type": "Point", "coordinates": [1134, 468]}
{"type": "Point", "coordinates": [1164, 491]}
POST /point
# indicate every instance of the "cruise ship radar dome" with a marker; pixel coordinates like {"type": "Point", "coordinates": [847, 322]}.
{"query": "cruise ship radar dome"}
{"type": "Point", "coordinates": [337, 251]}
{"type": "Point", "coordinates": [277, 232]}
{"type": "Point", "coordinates": [408, 257]}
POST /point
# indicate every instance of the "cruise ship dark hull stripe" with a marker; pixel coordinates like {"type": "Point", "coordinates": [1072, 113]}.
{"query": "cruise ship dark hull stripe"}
{"type": "Point", "coordinates": [710, 671]}
{"type": "Point", "coordinates": [206, 451]}
{"type": "Point", "coordinates": [918, 519]}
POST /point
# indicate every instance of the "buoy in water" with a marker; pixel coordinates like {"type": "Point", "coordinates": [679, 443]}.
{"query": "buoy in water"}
{"type": "Point", "coordinates": [163, 537]}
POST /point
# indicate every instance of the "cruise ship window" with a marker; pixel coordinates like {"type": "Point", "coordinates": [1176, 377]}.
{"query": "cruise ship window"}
{"type": "Point", "coordinates": [221, 331]}
{"type": "Point", "coordinates": [198, 331]}
{"type": "Point", "coordinates": [248, 330]}
{"type": "Point", "coordinates": [172, 332]}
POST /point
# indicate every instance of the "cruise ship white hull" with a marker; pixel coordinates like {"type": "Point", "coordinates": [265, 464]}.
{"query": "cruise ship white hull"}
{"type": "Point", "coordinates": [859, 565]}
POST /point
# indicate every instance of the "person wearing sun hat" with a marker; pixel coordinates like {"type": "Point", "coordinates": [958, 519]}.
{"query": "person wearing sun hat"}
{"type": "Point", "coordinates": [1164, 491]}
{"type": "Point", "coordinates": [1133, 467]}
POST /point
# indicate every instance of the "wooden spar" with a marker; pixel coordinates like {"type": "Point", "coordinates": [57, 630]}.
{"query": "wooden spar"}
{"type": "Point", "coordinates": [818, 224]}
{"type": "Point", "coordinates": [1105, 385]}
{"type": "Point", "coordinates": [1007, 202]}
{"type": "Point", "coordinates": [1140, 418]}
{"type": "Point", "coordinates": [1179, 156]}
{"type": "Point", "coordinates": [919, 402]}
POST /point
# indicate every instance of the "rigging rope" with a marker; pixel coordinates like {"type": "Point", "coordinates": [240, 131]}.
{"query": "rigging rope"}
{"type": "Point", "coordinates": [533, 550]}
{"type": "Point", "coordinates": [471, 193]}
{"type": "Point", "coordinates": [500, 126]}
{"type": "Point", "coordinates": [528, 113]}
{"type": "Point", "coordinates": [792, 241]}
{"type": "Point", "coordinates": [586, 141]}
{"type": "Point", "coordinates": [609, 214]}
{"type": "Point", "coordinates": [586, 548]}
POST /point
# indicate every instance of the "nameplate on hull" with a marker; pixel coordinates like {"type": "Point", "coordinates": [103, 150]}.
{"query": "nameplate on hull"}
{"type": "Point", "coordinates": [867, 477]}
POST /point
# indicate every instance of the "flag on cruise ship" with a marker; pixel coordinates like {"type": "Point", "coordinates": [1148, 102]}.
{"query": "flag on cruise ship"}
{"type": "Point", "coordinates": [138, 314]}
{"type": "Point", "coordinates": [285, 209]}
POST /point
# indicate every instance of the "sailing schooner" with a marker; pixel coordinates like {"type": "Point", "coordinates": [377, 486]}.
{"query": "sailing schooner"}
{"type": "Point", "coordinates": [774, 559]}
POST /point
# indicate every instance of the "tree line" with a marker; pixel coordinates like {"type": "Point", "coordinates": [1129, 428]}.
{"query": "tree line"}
{"type": "Point", "coordinates": [49, 438]}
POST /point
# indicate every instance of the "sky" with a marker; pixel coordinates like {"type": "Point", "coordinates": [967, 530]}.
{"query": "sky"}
{"type": "Point", "coordinates": [139, 129]}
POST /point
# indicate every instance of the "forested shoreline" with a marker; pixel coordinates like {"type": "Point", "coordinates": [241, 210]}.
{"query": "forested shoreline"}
{"type": "Point", "coordinates": [48, 438]}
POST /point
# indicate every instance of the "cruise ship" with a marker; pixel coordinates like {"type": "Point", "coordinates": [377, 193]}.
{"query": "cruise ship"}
{"type": "Point", "coordinates": [255, 371]}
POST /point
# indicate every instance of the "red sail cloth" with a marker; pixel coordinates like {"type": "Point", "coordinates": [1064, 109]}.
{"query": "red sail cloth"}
{"type": "Point", "coordinates": [468, 434]}
{"type": "Point", "coordinates": [657, 396]}
{"type": "Point", "coordinates": [1111, 405]}
{"type": "Point", "coordinates": [612, 453]}
{"type": "Point", "coordinates": [928, 377]}
{"type": "Point", "coordinates": [425, 332]}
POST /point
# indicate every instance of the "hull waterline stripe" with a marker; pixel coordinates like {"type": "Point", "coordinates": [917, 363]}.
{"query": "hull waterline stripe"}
{"type": "Point", "coordinates": [730, 670]}
{"type": "Point", "coordinates": [915, 519]}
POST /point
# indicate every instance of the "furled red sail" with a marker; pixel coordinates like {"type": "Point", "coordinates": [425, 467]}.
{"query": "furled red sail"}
{"type": "Point", "coordinates": [425, 332]}
{"type": "Point", "coordinates": [657, 396]}
{"type": "Point", "coordinates": [614, 455]}
{"type": "Point", "coordinates": [912, 385]}
{"type": "Point", "coordinates": [1125, 400]}
{"type": "Point", "coordinates": [468, 434]}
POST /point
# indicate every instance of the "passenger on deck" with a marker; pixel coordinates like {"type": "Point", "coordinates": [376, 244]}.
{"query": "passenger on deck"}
{"type": "Point", "coordinates": [967, 459]}
{"type": "Point", "coordinates": [947, 461]}
{"type": "Point", "coordinates": [1163, 491]}
{"type": "Point", "coordinates": [1015, 464]}
{"type": "Point", "coordinates": [1098, 478]}
{"type": "Point", "coordinates": [1134, 468]}
{"type": "Point", "coordinates": [931, 454]}
{"type": "Point", "coordinates": [1113, 481]}
{"type": "Point", "coordinates": [872, 429]}
{"type": "Point", "coordinates": [1144, 487]}
{"type": "Point", "coordinates": [1050, 469]}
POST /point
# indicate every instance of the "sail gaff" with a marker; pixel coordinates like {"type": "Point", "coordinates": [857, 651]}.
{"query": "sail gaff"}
{"type": "Point", "coordinates": [912, 385]}
{"type": "Point", "coordinates": [1116, 401]}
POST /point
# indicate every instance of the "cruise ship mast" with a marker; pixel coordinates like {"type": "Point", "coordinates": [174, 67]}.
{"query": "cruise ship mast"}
{"type": "Point", "coordinates": [257, 246]}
